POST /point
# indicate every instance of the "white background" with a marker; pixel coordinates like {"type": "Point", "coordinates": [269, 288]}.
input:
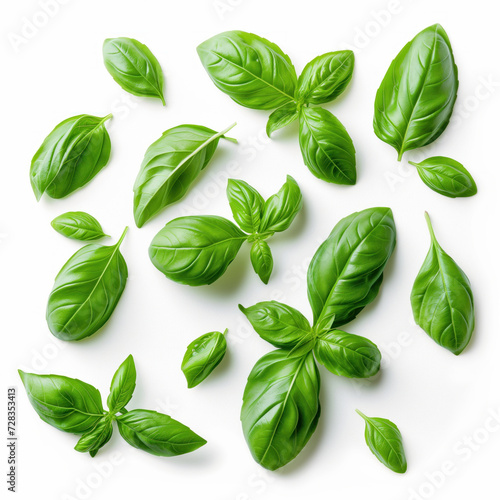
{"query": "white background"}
{"type": "Point", "coordinates": [441, 403]}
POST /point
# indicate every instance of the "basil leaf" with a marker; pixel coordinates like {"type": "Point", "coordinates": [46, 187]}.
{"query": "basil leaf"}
{"type": "Point", "coordinates": [282, 117]}
{"type": "Point", "coordinates": [347, 355]}
{"type": "Point", "coordinates": [262, 260]}
{"type": "Point", "coordinates": [95, 439]}
{"type": "Point", "coordinates": [170, 166]}
{"type": "Point", "coordinates": [416, 97]}
{"type": "Point", "coordinates": [68, 404]}
{"type": "Point", "coordinates": [196, 250]}
{"type": "Point", "coordinates": [442, 300]}
{"type": "Point", "coordinates": [86, 291]}
{"type": "Point", "coordinates": [246, 204]}
{"type": "Point", "coordinates": [346, 271]}
{"type": "Point", "coordinates": [70, 156]}
{"type": "Point", "coordinates": [157, 433]}
{"type": "Point", "coordinates": [202, 357]}
{"type": "Point", "coordinates": [122, 385]}
{"type": "Point", "coordinates": [78, 226]}
{"type": "Point", "coordinates": [446, 176]}
{"type": "Point", "coordinates": [134, 67]}
{"type": "Point", "coordinates": [327, 149]}
{"type": "Point", "coordinates": [281, 407]}
{"type": "Point", "coordinates": [325, 77]}
{"type": "Point", "coordinates": [277, 323]}
{"type": "Point", "coordinates": [251, 70]}
{"type": "Point", "coordinates": [385, 441]}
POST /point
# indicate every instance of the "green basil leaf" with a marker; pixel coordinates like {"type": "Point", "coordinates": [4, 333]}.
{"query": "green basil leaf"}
{"type": "Point", "coordinates": [86, 291]}
{"type": "Point", "coordinates": [70, 156]}
{"type": "Point", "coordinates": [282, 117]}
{"type": "Point", "coordinates": [385, 441]}
{"type": "Point", "coordinates": [327, 149]}
{"type": "Point", "coordinates": [325, 77]}
{"type": "Point", "coordinates": [251, 70]}
{"type": "Point", "coordinates": [157, 433]}
{"type": "Point", "coordinates": [196, 250]}
{"type": "Point", "coordinates": [346, 271]}
{"type": "Point", "coordinates": [446, 176]}
{"type": "Point", "coordinates": [347, 355]}
{"type": "Point", "coordinates": [170, 166]}
{"type": "Point", "coordinates": [95, 439]}
{"type": "Point", "coordinates": [416, 97]}
{"type": "Point", "coordinates": [122, 385]}
{"type": "Point", "coordinates": [281, 407]}
{"type": "Point", "coordinates": [246, 204]}
{"type": "Point", "coordinates": [134, 67]}
{"type": "Point", "coordinates": [68, 404]}
{"type": "Point", "coordinates": [78, 226]}
{"type": "Point", "coordinates": [202, 357]}
{"type": "Point", "coordinates": [442, 300]}
{"type": "Point", "coordinates": [262, 260]}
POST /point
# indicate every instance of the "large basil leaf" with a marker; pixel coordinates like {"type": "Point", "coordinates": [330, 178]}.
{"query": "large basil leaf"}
{"type": "Point", "coordinates": [86, 291]}
{"type": "Point", "coordinates": [134, 67]}
{"type": "Point", "coordinates": [280, 407]}
{"type": "Point", "coordinates": [70, 156]}
{"type": "Point", "coordinates": [262, 260]}
{"type": "Point", "coordinates": [246, 204]}
{"type": "Point", "coordinates": [95, 439]}
{"type": "Point", "coordinates": [282, 117]}
{"type": "Point", "coordinates": [442, 300]}
{"type": "Point", "coordinates": [68, 404]}
{"type": "Point", "coordinates": [122, 385]}
{"type": "Point", "coordinates": [325, 77]}
{"type": "Point", "coordinates": [346, 271]}
{"type": "Point", "coordinates": [326, 147]}
{"type": "Point", "coordinates": [157, 433]}
{"type": "Point", "coordinates": [196, 250]}
{"type": "Point", "coordinates": [251, 70]}
{"type": "Point", "coordinates": [416, 97]}
{"type": "Point", "coordinates": [170, 166]}
{"type": "Point", "coordinates": [78, 226]}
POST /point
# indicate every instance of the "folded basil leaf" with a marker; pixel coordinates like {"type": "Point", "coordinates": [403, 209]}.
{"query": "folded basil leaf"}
{"type": "Point", "coordinates": [327, 149]}
{"type": "Point", "coordinates": [347, 355]}
{"type": "Point", "coordinates": [170, 166]}
{"type": "Point", "coordinates": [134, 67]}
{"type": "Point", "coordinates": [282, 117]}
{"type": "Point", "coordinates": [95, 439]}
{"type": "Point", "coordinates": [86, 291]}
{"type": "Point", "coordinates": [281, 407]}
{"type": "Point", "coordinates": [202, 356]}
{"type": "Point", "coordinates": [157, 433]}
{"type": "Point", "coordinates": [415, 100]}
{"type": "Point", "coordinates": [446, 176]}
{"type": "Point", "coordinates": [251, 70]}
{"type": "Point", "coordinates": [122, 385]}
{"type": "Point", "coordinates": [78, 226]}
{"type": "Point", "coordinates": [385, 441]}
{"type": "Point", "coordinates": [325, 77]}
{"type": "Point", "coordinates": [442, 300]}
{"type": "Point", "coordinates": [68, 404]}
{"type": "Point", "coordinates": [70, 156]}
{"type": "Point", "coordinates": [196, 250]}
{"type": "Point", "coordinates": [246, 205]}
{"type": "Point", "coordinates": [262, 260]}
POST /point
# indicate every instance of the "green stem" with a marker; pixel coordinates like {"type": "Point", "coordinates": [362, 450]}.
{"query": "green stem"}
{"type": "Point", "coordinates": [107, 117]}
{"type": "Point", "coordinates": [413, 163]}
{"type": "Point", "coordinates": [225, 332]}
{"type": "Point", "coordinates": [429, 225]}
{"type": "Point", "coordinates": [122, 237]}
{"type": "Point", "coordinates": [400, 155]}
{"type": "Point", "coordinates": [361, 414]}
{"type": "Point", "coordinates": [230, 139]}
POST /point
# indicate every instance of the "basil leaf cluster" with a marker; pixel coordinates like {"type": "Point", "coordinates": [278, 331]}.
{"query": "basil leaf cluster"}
{"type": "Point", "coordinates": [78, 226]}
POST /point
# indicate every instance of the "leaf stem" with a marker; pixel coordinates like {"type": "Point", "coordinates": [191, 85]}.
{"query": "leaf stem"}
{"type": "Point", "coordinates": [429, 225]}
{"type": "Point", "coordinates": [230, 139]}
{"type": "Point", "coordinates": [413, 163]}
{"type": "Point", "coordinates": [107, 117]}
{"type": "Point", "coordinates": [400, 155]}
{"type": "Point", "coordinates": [122, 237]}
{"type": "Point", "coordinates": [361, 414]}
{"type": "Point", "coordinates": [224, 333]}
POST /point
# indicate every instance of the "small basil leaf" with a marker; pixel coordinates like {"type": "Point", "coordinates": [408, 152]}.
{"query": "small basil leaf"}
{"type": "Point", "coordinates": [446, 176]}
{"type": "Point", "coordinates": [157, 433]}
{"type": "Point", "coordinates": [196, 250]}
{"type": "Point", "coordinates": [442, 300]}
{"type": "Point", "coordinates": [325, 77]}
{"type": "Point", "coordinates": [246, 204]}
{"type": "Point", "coordinates": [327, 149]}
{"type": "Point", "coordinates": [78, 226]}
{"type": "Point", "coordinates": [262, 260]}
{"type": "Point", "coordinates": [416, 97]}
{"type": "Point", "coordinates": [170, 166]}
{"type": "Point", "coordinates": [385, 441]}
{"type": "Point", "coordinates": [282, 117]}
{"type": "Point", "coordinates": [277, 323]}
{"type": "Point", "coordinates": [86, 291]}
{"type": "Point", "coordinates": [95, 439]}
{"type": "Point", "coordinates": [251, 70]}
{"type": "Point", "coordinates": [134, 67]}
{"type": "Point", "coordinates": [68, 404]}
{"type": "Point", "coordinates": [70, 156]}
{"type": "Point", "coordinates": [122, 385]}
{"type": "Point", "coordinates": [281, 407]}
{"type": "Point", "coordinates": [347, 355]}
{"type": "Point", "coordinates": [202, 357]}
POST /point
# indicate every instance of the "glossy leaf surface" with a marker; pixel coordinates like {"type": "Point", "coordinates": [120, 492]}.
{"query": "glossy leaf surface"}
{"type": "Point", "coordinates": [262, 260]}
{"type": "Point", "coordinates": [122, 385]}
{"type": "Point", "coordinates": [95, 439]}
{"type": "Point", "coordinates": [282, 117]}
{"type": "Point", "coordinates": [246, 204]}
{"type": "Point", "coordinates": [78, 226]}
